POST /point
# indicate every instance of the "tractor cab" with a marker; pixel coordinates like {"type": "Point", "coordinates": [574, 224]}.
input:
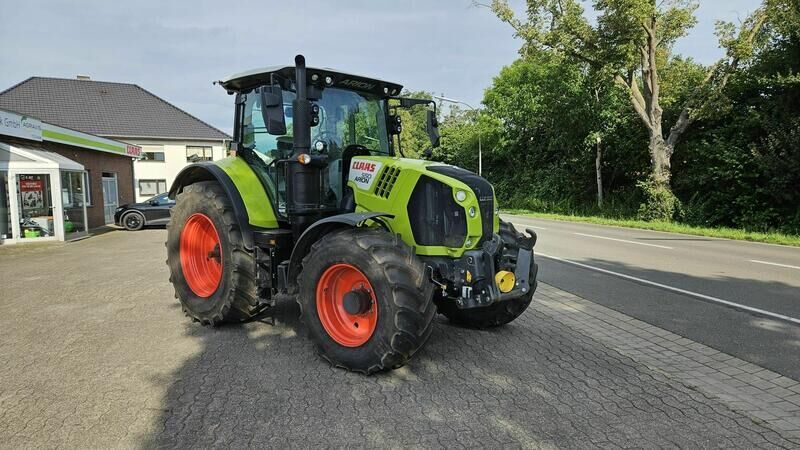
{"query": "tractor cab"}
{"type": "Point", "coordinates": [350, 116]}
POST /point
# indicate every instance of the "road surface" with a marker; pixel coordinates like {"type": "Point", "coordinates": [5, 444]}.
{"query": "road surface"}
{"type": "Point", "coordinates": [742, 298]}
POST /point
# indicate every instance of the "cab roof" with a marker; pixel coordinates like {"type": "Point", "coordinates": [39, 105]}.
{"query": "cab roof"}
{"type": "Point", "coordinates": [245, 81]}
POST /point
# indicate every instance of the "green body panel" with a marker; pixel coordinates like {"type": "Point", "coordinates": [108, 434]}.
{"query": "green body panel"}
{"type": "Point", "coordinates": [261, 213]}
{"type": "Point", "coordinates": [258, 204]}
{"type": "Point", "coordinates": [396, 202]}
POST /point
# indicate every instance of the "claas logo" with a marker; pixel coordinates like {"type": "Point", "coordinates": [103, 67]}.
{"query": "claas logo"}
{"type": "Point", "coordinates": [364, 165]}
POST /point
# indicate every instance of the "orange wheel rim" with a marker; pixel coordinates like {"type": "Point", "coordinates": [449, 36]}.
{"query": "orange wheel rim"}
{"type": "Point", "coordinates": [346, 305]}
{"type": "Point", "coordinates": [201, 255]}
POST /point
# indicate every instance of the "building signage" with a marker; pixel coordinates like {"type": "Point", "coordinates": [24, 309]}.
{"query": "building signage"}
{"type": "Point", "coordinates": [17, 125]}
{"type": "Point", "coordinates": [26, 127]}
{"type": "Point", "coordinates": [133, 150]}
{"type": "Point", "coordinates": [53, 133]}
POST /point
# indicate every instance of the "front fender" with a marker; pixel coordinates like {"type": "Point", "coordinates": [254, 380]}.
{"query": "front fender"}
{"type": "Point", "coordinates": [323, 227]}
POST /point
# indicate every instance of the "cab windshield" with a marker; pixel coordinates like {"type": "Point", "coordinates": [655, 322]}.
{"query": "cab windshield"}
{"type": "Point", "coordinates": [346, 118]}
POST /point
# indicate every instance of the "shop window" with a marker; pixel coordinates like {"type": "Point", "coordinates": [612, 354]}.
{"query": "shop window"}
{"type": "Point", "coordinates": [152, 187]}
{"type": "Point", "coordinates": [72, 189]}
{"type": "Point", "coordinates": [152, 156]}
{"type": "Point", "coordinates": [72, 197]}
{"type": "Point", "coordinates": [195, 154]}
{"type": "Point", "coordinates": [35, 205]}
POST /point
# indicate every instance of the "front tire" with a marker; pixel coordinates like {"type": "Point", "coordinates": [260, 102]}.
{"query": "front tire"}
{"type": "Point", "coordinates": [211, 271]}
{"type": "Point", "coordinates": [365, 300]}
{"type": "Point", "coordinates": [499, 313]}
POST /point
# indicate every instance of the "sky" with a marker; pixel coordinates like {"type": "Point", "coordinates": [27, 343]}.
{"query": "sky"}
{"type": "Point", "coordinates": [176, 49]}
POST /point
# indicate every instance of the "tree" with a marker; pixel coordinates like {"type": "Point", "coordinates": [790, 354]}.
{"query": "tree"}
{"type": "Point", "coordinates": [535, 132]}
{"type": "Point", "coordinates": [630, 43]}
{"type": "Point", "coordinates": [414, 135]}
{"type": "Point", "coordinates": [739, 165]}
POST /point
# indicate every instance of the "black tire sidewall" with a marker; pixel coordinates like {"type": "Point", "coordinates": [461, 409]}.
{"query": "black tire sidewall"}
{"type": "Point", "coordinates": [358, 257]}
{"type": "Point", "coordinates": [125, 217]}
{"type": "Point", "coordinates": [192, 201]}
{"type": "Point", "coordinates": [399, 309]}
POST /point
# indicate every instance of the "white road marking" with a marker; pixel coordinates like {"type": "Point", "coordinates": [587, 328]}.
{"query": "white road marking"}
{"type": "Point", "coordinates": [678, 290]}
{"type": "Point", "coordinates": [519, 222]}
{"type": "Point", "coordinates": [623, 240]}
{"type": "Point", "coordinates": [774, 264]}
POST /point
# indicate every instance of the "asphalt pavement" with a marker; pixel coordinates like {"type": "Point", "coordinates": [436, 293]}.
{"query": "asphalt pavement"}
{"type": "Point", "coordinates": [742, 298]}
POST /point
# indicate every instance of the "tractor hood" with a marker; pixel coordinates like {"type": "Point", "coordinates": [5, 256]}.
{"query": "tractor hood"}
{"type": "Point", "coordinates": [447, 209]}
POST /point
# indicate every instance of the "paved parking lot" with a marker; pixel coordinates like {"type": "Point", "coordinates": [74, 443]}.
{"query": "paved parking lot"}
{"type": "Point", "coordinates": [96, 353]}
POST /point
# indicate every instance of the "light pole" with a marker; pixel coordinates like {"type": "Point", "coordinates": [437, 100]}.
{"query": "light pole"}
{"type": "Point", "coordinates": [450, 100]}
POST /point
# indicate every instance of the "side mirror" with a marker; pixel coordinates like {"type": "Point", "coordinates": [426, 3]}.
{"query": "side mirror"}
{"type": "Point", "coordinates": [395, 125]}
{"type": "Point", "coordinates": [427, 153]}
{"type": "Point", "coordinates": [272, 109]}
{"type": "Point", "coordinates": [433, 128]}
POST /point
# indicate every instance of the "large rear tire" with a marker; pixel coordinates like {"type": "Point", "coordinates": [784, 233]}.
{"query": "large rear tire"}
{"type": "Point", "coordinates": [211, 271]}
{"type": "Point", "coordinates": [365, 300]}
{"type": "Point", "coordinates": [499, 313]}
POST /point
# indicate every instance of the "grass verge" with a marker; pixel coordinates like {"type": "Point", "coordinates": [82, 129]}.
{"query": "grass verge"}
{"type": "Point", "coordinates": [670, 227]}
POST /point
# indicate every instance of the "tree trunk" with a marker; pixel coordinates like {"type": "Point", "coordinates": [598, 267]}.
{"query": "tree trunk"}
{"type": "Point", "coordinates": [660, 156]}
{"type": "Point", "coordinates": [597, 164]}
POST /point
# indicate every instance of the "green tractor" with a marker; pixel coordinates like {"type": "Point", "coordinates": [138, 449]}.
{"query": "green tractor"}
{"type": "Point", "coordinates": [315, 202]}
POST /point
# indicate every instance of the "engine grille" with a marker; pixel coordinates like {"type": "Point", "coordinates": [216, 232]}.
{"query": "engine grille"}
{"type": "Point", "coordinates": [386, 181]}
{"type": "Point", "coordinates": [482, 189]}
{"type": "Point", "coordinates": [435, 217]}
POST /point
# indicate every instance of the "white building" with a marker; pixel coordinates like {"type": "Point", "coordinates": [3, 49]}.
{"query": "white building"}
{"type": "Point", "coordinates": [162, 159]}
{"type": "Point", "coordinates": [169, 136]}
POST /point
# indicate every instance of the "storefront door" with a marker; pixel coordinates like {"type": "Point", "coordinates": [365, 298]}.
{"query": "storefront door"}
{"type": "Point", "coordinates": [110, 196]}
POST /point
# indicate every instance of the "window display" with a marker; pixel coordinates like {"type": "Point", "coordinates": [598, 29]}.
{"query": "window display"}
{"type": "Point", "coordinates": [35, 205]}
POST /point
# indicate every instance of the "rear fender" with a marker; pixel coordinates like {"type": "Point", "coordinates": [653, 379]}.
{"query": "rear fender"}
{"type": "Point", "coordinates": [207, 171]}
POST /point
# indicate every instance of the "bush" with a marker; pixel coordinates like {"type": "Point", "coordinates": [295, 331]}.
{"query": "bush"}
{"type": "Point", "coordinates": [659, 201]}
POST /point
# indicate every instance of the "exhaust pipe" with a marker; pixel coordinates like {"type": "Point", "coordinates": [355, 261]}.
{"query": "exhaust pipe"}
{"type": "Point", "coordinates": [303, 189]}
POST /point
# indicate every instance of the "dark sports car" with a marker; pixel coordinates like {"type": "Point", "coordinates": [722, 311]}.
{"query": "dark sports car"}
{"type": "Point", "coordinates": [135, 216]}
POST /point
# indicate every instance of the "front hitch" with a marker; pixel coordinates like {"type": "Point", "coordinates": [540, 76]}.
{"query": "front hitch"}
{"type": "Point", "coordinates": [470, 281]}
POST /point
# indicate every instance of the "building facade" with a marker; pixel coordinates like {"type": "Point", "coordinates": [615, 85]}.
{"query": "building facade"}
{"type": "Point", "coordinates": [169, 137]}
{"type": "Point", "coordinates": [57, 183]}
{"type": "Point", "coordinates": [162, 160]}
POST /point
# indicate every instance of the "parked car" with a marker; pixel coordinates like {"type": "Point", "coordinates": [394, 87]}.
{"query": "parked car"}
{"type": "Point", "coordinates": [135, 216]}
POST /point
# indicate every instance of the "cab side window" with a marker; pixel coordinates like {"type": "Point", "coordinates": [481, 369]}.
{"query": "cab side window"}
{"type": "Point", "coordinates": [267, 148]}
{"type": "Point", "coordinates": [254, 132]}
